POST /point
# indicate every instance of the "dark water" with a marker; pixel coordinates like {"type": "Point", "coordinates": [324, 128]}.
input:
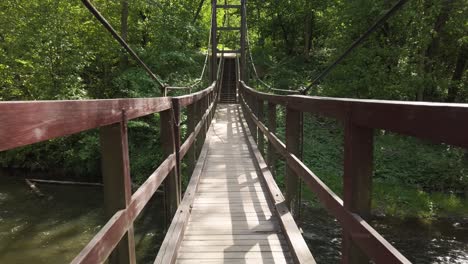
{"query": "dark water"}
{"type": "Point", "coordinates": [55, 229]}
{"type": "Point", "coordinates": [437, 242]}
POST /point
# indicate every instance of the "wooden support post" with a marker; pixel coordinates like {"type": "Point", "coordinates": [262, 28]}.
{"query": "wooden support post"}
{"type": "Point", "coordinates": [271, 159]}
{"type": "Point", "coordinates": [198, 142]}
{"type": "Point", "coordinates": [205, 107]}
{"type": "Point", "coordinates": [117, 183]}
{"type": "Point", "coordinates": [293, 145]}
{"type": "Point", "coordinates": [358, 162]}
{"type": "Point", "coordinates": [253, 128]}
{"type": "Point", "coordinates": [191, 123]}
{"type": "Point", "coordinates": [176, 125]}
{"type": "Point", "coordinates": [243, 44]}
{"type": "Point", "coordinates": [214, 43]}
{"type": "Point", "coordinates": [211, 112]}
{"type": "Point", "coordinates": [261, 137]}
{"type": "Point", "coordinates": [171, 183]}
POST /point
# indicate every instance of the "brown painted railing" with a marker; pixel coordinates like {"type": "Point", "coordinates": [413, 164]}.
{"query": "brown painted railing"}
{"type": "Point", "coordinates": [24, 123]}
{"type": "Point", "coordinates": [437, 122]}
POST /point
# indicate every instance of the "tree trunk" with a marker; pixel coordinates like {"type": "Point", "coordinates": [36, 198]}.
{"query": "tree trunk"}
{"type": "Point", "coordinates": [458, 73]}
{"type": "Point", "coordinates": [439, 25]}
{"type": "Point", "coordinates": [284, 30]}
{"type": "Point", "coordinates": [433, 48]}
{"type": "Point", "coordinates": [124, 30]}
{"type": "Point", "coordinates": [307, 35]}
{"type": "Point", "coordinates": [197, 13]}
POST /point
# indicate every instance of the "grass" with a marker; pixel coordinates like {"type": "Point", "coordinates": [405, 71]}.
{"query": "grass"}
{"type": "Point", "coordinates": [402, 201]}
{"type": "Point", "coordinates": [412, 178]}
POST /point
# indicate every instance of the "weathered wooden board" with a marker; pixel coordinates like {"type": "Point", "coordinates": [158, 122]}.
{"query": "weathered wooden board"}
{"type": "Point", "coordinates": [232, 220]}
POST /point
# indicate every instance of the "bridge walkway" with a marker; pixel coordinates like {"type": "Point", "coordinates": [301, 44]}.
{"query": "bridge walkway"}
{"type": "Point", "coordinates": [232, 218]}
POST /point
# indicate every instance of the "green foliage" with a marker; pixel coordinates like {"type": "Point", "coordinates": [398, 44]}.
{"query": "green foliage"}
{"type": "Point", "coordinates": [412, 178]}
{"type": "Point", "coordinates": [57, 50]}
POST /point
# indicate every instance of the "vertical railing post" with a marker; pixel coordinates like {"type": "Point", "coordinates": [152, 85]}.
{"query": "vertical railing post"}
{"type": "Point", "coordinates": [214, 43]}
{"type": "Point", "coordinates": [212, 100]}
{"type": "Point", "coordinates": [248, 105]}
{"type": "Point", "coordinates": [271, 159]}
{"type": "Point", "coordinates": [243, 44]}
{"type": "Point", "coordinates": [293, 145]}
{"type": "Point", "coordinates": [253, 126]}
{"type": "Point", "coordinates": [205, 107]}
{"type": "Point", "coordinates": [260, 115]}
{"type": "Point", "coordinates": [176, 124]}
{"type": "Point", "coordinates": [191, 123]}
{"type": "Point", "coordinates": [171, 183]}
{"type": "Point", "coordinates": [199, 141]}
{"type": "Point", "coordinates": [358, 162]}
{"type": "Point", "coordinates": [117, 183]}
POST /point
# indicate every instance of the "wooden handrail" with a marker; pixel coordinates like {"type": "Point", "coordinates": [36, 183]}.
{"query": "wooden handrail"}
{"type": "Point", "coordinates": [104, 242]}
{"type": "Point", "coordinates": [437, 122]}
{"type": "Point", "coordinates": [25, 123]}
{"type": "Point", "coordinates": [28, 122]}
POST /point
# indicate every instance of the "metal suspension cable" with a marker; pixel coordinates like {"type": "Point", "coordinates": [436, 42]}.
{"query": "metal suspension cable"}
{"type": "Point", "coordinates": [252, 61]}
{"type": "Point", "coordinates": [123, 43]}
{"type": "Point", "coordinates": [207, 51]}
{"type": "Point", "coordinates": [205, 64]}
{"type": "Point", "coordinates": [255, 68]}
{"type": "Point", "coordinates": [355, 44]}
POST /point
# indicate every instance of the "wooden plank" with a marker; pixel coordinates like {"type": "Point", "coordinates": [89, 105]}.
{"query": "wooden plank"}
{"type": "Point", "coordinates": [117, 184]}
{"type": "Point", "coordinates": [207, 210]}
{"type": "Point", "coordinates": [228, 181]}
{"type": "Point", "coordinates": [234, 237]}
{"type": "Point", "coordinates": [234, 223]}
{"type": "Point", "coordinates": [230, 204]}
{"type": "Point", "coordinates": [227, 155]}
{"type": "Point", "coordinates": [299, 248]}
{"type": "Point", "coordinates": [235, 248]}
{"type": "Point", "coordinates": [25, 123]}
{"type": "Point", "coordinates": [230, 200]}
{"type": "Point", "coordinates": [168, 250]}
{"type": "Point", "coordinates": [235, 255]}
{"type": "Point", "coordinates": [232, 189]}
{"type": "Point", "coordinates": [230, 184]}
{"type": "Point", "coordinates": [215, 231]}
{"type": "Point", "coordinates": [230, 167]}
{"type": "Point", "coordinates": [230, 242]}
{"type": "Point", "coordinates": [233, 261]}
{"type": "Point", "coordinates": [252, 194]}
{"type": "Point", "coordinates": [199, 217]}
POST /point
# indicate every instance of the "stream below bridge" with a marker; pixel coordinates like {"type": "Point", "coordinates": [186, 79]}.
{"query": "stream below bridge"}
{"type": "Point", "coordinates": [54, 229]}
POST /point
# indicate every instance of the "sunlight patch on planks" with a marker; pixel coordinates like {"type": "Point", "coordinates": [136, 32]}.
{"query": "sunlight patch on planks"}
{"type": "Point", "coordinates": [232, 218]}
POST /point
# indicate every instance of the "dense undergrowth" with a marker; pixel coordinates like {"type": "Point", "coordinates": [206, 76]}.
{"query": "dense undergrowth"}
{"type": "Point", "coordinates": [59, 51]}
{"type": "Point", "coordinates": [412, 178]}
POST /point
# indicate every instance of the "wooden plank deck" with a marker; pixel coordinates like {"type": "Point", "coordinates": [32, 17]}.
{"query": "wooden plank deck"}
{"type": "Point", "coordinates": [232, 218]}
